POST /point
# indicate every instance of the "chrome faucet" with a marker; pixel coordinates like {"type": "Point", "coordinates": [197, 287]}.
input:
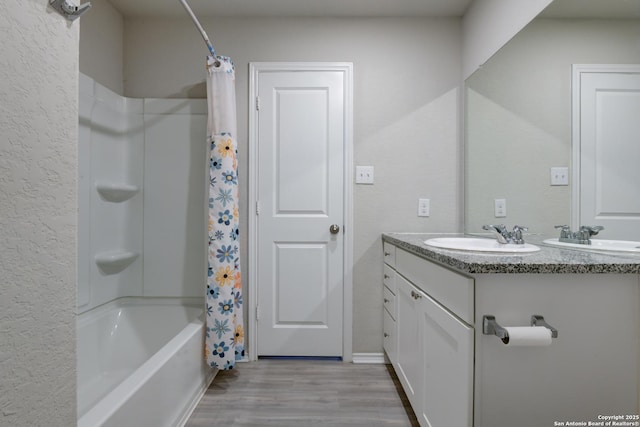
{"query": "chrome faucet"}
{"type": "Point", "coordinates": [503, 236]}
{"type": "Point", "coordinates": [580, 237]}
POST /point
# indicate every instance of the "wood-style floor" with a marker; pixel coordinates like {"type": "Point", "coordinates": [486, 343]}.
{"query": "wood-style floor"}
{"type": "Point", "coordinates": [304, 393]}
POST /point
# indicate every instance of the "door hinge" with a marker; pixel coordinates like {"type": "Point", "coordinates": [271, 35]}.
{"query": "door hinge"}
{"type": "Point", "coordinates": [258, 207]}
{"type": "Point", "coordinates": [257, 103]}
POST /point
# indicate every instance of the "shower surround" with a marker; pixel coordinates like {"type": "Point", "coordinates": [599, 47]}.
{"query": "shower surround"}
{"type": "Point", "coordinates": [141, 257]}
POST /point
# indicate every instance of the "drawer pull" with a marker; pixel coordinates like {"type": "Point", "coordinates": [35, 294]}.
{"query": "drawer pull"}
{"type": "Point", "coordinates": [386, 300]}
{"type": "Point", "coordinates": [386, 335]}
{"type": "Point", "coordinates": [386, 276]}
{"type": "Point", "coordinates": [415, 295]}
{"type": "Point", "coordinates": [387, 253]}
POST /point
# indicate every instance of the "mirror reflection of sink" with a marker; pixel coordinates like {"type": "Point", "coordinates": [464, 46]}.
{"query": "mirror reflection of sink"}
{"type": "Point", "coordinates": [600, 245]}
{"type": "Point", "coordinates": [479, 245]}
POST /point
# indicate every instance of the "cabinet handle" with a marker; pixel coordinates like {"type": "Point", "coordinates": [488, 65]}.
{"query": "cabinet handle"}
{"type": "Point", "coordinates": [415, 295]}
{"type": "Point", "coordinates": [386, 276]}
{"type": "Point", "coordinates": [386, 335]}
{"type": "Point", "coordinates": [386, 300]}
{"type": "Point", "coordinates": [387, 253]}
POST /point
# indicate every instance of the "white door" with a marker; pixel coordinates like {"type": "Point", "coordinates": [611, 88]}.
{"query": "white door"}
{"type": "Point", "coordinates": [608, 120]}
{"type": "Point", "coordinates": [300, 194]}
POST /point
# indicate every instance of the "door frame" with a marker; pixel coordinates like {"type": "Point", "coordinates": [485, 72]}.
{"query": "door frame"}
{"type": "Point", "coordinates": [576, 110]}
{"type": "Point", "coordinates": [255, 69]}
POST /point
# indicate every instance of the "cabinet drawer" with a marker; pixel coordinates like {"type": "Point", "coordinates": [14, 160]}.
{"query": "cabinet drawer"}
{"type": "Point", "coordinates": [452, 290]}
{"type": "Point", "coordinates": [389, 252]}
{"type": "Point", "coordinates": [389, 302]}
{"type": "Point", "coordinates": [389, 278]}
{"type": "Point", "coordinates": [390, 340]}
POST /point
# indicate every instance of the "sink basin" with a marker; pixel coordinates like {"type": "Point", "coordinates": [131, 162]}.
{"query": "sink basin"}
{"type": "Point", "coordinates": [479, 245]}
{"type": "Point", "coordinates": [600, 245]}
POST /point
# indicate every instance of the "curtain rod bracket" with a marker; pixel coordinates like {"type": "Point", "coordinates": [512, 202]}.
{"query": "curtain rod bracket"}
{"type": "Point", "coordinates": [69, 10]}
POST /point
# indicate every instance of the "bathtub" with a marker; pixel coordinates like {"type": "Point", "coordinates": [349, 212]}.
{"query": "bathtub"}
{"type": "Point", "coordinates": [140, 362]}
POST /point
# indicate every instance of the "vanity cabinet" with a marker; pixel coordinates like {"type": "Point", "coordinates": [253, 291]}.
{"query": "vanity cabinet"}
{"type": "Point", "coordinates": [454, 375]}
{"type": "Point", "coordinates": [434, 350]}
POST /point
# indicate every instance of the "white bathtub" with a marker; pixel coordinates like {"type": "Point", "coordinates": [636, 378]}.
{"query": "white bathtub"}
{"type": "Point", "coordinates": [140, 362]}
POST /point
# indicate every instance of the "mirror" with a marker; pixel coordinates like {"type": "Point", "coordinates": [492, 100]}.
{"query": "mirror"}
{"type": "Point", "coordinates": [518, 111]}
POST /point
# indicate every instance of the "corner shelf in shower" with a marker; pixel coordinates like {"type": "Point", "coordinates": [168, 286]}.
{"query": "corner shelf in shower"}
{"type": "Point", "coordinates": [116, 192]}
{"type": "Point", "coordinates": [113, 262]}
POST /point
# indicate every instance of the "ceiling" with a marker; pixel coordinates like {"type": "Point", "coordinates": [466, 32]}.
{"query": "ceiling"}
{"type": "Point", "coordinates": [289, 8]}
{"type": "Point", "coordinates": [613, 9]}
{"type": "Point", "coordinates": [361, 8]}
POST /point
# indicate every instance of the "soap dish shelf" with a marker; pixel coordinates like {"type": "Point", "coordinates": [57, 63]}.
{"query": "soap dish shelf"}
{"type": "Point", "coordinates": [113, 262]}
{"type": "Point", "coordinates": [116, 192]}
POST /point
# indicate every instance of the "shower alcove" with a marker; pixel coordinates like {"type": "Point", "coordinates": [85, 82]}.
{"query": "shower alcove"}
{"type": "Point", "coordinates": [141, 258]}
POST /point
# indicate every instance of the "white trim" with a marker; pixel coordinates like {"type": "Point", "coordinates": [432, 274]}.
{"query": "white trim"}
{"type": "Point", "coordinates": [576, 75]}
{"type": "Point", "coordinates": [369, 358]}
{"type": "Point", "coordinates": [255, 68]}
{"type": "Point", "coordinates": [196, 400]}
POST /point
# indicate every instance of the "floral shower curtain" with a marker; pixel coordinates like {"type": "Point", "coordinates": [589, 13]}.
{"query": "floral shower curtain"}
{"type": "Point", "coordinates": [224, 342]}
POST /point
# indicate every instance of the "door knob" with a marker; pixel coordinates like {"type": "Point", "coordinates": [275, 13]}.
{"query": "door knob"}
{"type": "Point", "coordinates": [334, 229]}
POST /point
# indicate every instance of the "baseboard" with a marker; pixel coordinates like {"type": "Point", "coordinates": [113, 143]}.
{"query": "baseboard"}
{"type": "Point", "coordinates": [369, 358]}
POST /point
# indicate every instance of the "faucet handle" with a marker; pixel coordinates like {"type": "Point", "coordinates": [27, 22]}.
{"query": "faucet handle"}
{"type": "Point", "coordinates": [592, 230]}
{"type": "Point", "coordinates": [565, 231]}
{"type": "Point", "coordinates": [517, 234]}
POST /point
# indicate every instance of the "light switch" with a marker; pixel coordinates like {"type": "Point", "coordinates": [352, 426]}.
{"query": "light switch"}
{"type": "Point", "coordinates": [423, 207]}
{"type": "Point", "coordinates": [364, 174]}
{"type": "Point", "coordinates": [560, 176]}
{"type": "Point", "coordinates": [500, 208]}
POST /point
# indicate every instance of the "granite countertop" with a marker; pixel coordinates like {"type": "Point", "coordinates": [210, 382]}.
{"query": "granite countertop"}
{"type": "Point", "coordinates": [548, 260]}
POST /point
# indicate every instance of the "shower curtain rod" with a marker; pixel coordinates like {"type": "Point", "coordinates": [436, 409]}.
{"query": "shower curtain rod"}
{"type": "Point", "coordinates": [197, 24]}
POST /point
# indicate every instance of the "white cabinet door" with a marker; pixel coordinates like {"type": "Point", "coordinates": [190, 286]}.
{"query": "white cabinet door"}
{"type": "Point", "coordinates": [408, 366]}
{"type": "Point", "coordinates": [446, 368]}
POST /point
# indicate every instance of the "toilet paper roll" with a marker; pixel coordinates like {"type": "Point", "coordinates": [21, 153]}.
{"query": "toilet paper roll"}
{"type": "Point", "coordinates": [521, 336]}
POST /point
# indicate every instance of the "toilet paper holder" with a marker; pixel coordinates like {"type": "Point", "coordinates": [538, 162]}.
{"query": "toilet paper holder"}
{"type": "Point", "coordinates": [491, 327]}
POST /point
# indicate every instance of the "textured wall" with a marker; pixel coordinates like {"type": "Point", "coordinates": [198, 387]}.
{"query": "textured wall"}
{"type": "Point", "coordinates": [406, 101]}
{"type": "Point", "coordinates": [102, 44]}
{"type": "Point", "coordinates": [38, 135]}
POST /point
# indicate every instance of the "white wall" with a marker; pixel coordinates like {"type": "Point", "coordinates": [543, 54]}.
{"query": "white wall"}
{"type": "Point", "coordinates": [406, 115]}
{"type": "Point", "coordinates": [489, 24]}
{"type": "Point", "coordinates": [175, 177]}
{"type": "Point", "coordinates": [38, 167]}
{"type": "Point", "coordinates": [110, 155]}
{"type": "Point", "coordinates": [102, 44]}
{"type": "Point", "coordinates": [155, 146]}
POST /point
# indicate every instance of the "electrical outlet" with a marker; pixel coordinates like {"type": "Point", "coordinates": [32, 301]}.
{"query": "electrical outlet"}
{"type": "Point", "coordinates": [423, 207]}
{"type": "Point", "coordinates": [560, 176]}
{"type": "Point", "coordinates": [364, 174]}
{"type": "Point", "coordinates": [500, 208]}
